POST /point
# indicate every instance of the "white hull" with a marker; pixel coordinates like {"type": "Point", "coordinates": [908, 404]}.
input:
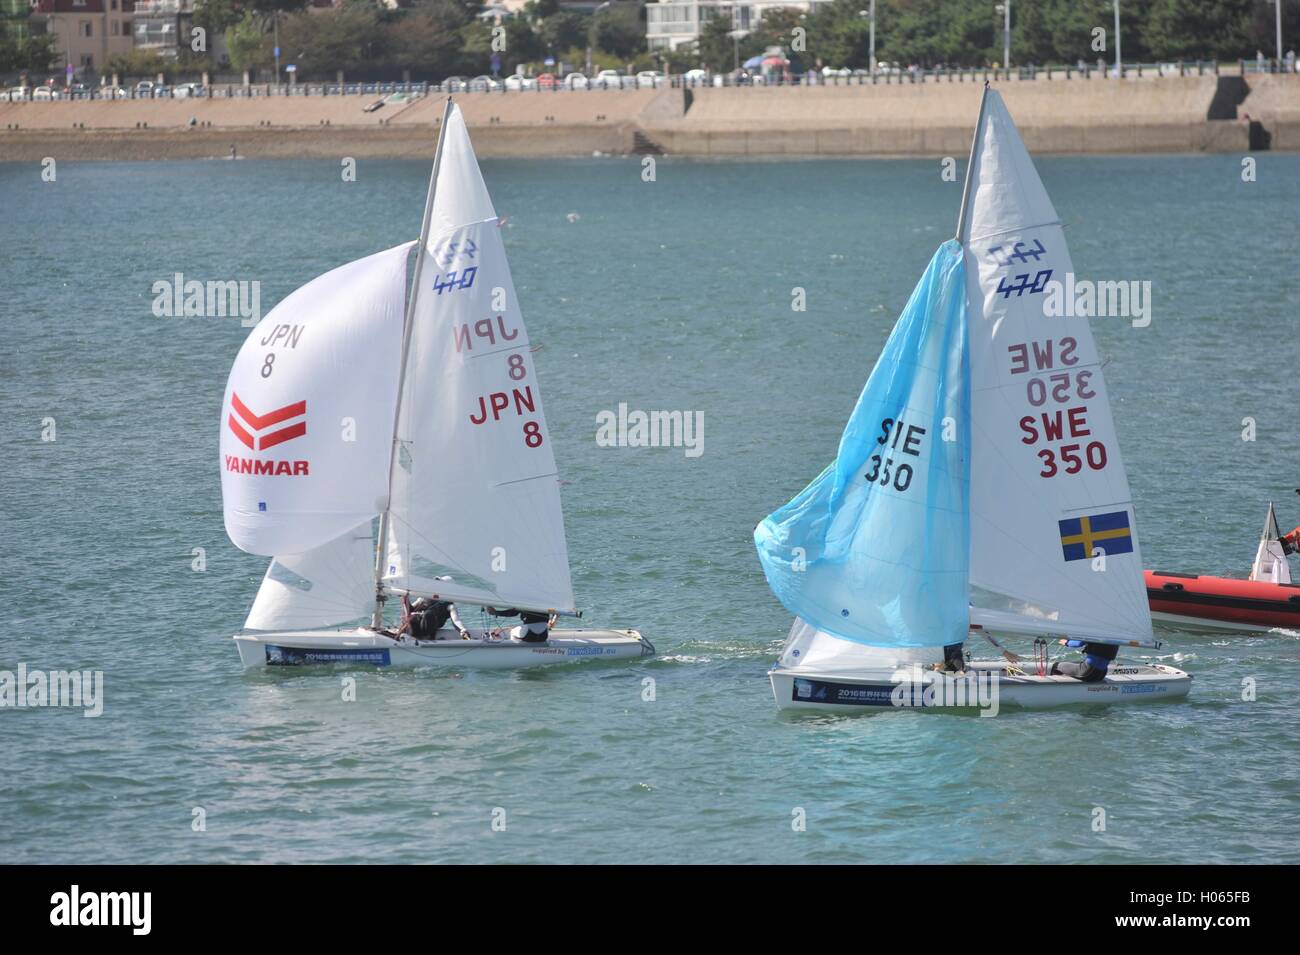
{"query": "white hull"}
{"type": "Point", "coordinates": [369, 647]}
{"type": "Point", "coordinates": [876, 690]}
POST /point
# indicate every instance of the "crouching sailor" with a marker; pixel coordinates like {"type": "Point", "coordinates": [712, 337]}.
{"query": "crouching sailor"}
{"type": "Point", "coordinates": [533, 628]}
{"type": "Point", "coordinates": [1097, 658]}
{"type": "Point", "coordinates": [423, 619]}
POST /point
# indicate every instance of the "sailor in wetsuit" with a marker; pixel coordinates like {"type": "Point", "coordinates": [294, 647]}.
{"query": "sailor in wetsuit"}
{"type": "Point", "coordinates": [534, 627]}
{"type": "Point", "coordinates": [1097, 658]}
{"type": "Point", "coordinates": [424, 618]}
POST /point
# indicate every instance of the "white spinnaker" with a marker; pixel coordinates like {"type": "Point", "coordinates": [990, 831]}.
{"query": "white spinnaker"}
{"type": "Point", "coordinates": [1270, 559]}
{"type": "Point", "coordinates": [1014, 246]}
{"type": "Point", "coordinates": [476, 495]}
{"type": "Point", "coordinates": [307, 419]}
{"type": "Point", "coordinates": [324, 587]}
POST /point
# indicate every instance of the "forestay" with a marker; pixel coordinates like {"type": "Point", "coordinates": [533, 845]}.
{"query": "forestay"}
{"type": "Point", "coordinates": [476, 495]}
{"type": "Point", "coordinates": [1049, 493]}
{"type": "Point", "coordinates": [875, 550]}
{"type": "Point", "coordinates": [307, 419]}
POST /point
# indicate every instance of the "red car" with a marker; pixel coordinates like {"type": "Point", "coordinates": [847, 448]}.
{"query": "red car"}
{"type": "Point", "coordinates": [547, 81]}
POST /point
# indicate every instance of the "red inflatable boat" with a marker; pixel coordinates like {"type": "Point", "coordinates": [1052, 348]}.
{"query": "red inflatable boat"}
{"type": "Point", "coordinates": [1222, 603]}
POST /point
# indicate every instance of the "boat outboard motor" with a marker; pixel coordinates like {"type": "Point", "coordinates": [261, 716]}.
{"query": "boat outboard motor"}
{"type": "Point", "coordinates": [1096, 661]}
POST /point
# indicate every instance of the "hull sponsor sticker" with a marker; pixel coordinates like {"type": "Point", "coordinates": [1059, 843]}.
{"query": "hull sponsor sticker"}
{"type": "Point", "coordinates": [298, 656]}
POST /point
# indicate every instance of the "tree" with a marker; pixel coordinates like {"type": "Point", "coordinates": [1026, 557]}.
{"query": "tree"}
{"type": "Point", "coordinates": [250, 47]}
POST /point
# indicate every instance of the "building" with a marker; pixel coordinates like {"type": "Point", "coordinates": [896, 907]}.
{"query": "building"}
{"type": "Point", "coordinates": [161, 26]}
{"type": "Point", "coordinates": [87, 32]}
{"type": "Point", "coordinates": [671, 24]}
{"type": "Point", "coordinates": [16, 20]}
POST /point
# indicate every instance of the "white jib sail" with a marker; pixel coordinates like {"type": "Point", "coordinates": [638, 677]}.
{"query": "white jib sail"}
{"type": "Point", "coordinates": [1270, 563]}
{"type": "Point", "coordinates": [476, 496]}
{"type": "Point", "coordinates": [324, 587]}
{"type": "Point", "coordinates": [307, 420]}
{"type": "Point", "coordinates": [1049, 494]}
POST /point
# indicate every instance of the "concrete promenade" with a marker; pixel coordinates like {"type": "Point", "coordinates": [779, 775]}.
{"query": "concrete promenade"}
{"type": "Point", "coordinates": [1096, 115]}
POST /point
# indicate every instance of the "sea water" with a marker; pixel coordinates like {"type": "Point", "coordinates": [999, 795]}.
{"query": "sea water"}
{"type": "Point", "coordinates": [673, 295]}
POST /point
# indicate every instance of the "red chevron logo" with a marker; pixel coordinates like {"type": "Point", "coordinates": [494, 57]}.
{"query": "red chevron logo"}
{"type": "Point", "coordinates": [248, 427]}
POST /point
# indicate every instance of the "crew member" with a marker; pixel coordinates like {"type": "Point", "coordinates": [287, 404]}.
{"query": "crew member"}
{"type": "Point", "coordinates": [533, 628]}
{"type": "Point", "coordinates": [1097, 658]}
{"type": "Point", "coordinates": [424, 618]}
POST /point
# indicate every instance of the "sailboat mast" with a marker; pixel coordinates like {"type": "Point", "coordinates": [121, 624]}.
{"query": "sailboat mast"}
{"type": "Point", "coordinates": [421, 253]}
{"type": "Point", "coordinates": [970, 167]}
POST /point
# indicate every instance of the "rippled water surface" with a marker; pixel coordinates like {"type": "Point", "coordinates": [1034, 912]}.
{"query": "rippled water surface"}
{"type": "Point", "coordinates": [666, 295]}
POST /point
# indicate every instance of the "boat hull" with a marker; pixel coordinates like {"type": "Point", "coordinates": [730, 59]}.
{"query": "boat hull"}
{"type": "Point", "coordinates": [876, 690]}
{"type": "Point", "coordinates": [367, 647]}
{"type": "Point", "coordinates": [1222, 603]}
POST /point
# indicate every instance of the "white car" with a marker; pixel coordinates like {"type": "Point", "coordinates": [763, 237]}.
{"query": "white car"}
{"type": "Point", "coordinates": [44, 93]}
{"type": "Point", "coordinates": [518, 82]}
{"type": "Point", "coordinates": [695, 77]}
{"type": "Point", "coordinates": [608, 80]}
{"type": "Point", "coordinates": [831, 71]}
{"type": "Point", "coordinates": [186, 90]}
{"type": "Point", "coordinates": [484, 84]}
{"type": "Point", "coordinates": [16, 94]}
{"type": "Point", "coordinates": [575, 81]}
{"type": "Point", "coordinates": [649, 79]}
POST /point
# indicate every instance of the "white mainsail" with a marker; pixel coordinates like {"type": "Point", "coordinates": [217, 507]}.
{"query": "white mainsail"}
{"type": "Point", "coordinates": [324, 587]}
{"type": "Point", "coordinates": [306, 423]}
{"type": "Point", "coordinates": [1048, 488]}
{"type": "Point", "coordinates": [1270, 563]}
{"type": "Point", "coordinates": [475, 506]}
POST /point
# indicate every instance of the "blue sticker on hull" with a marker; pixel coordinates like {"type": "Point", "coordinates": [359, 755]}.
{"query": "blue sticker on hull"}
{"type": "Point", "coordinates": [297, 656]}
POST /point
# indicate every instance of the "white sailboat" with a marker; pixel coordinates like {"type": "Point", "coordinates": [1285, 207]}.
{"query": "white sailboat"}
{"type": "Point", "coordinates": [351, 406]}
{"type": "Point", "coordinates": [978, 485]}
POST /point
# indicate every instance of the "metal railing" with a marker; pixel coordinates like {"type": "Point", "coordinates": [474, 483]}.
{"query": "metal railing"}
{"type": "Point", "coordinates": [886, 75]}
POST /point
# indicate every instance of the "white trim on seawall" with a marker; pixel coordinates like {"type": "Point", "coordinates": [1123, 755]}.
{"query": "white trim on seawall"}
{"type": "Point", "coordinates": [369, 647]}
{"type": "Point", "coordinates": [871, 691]}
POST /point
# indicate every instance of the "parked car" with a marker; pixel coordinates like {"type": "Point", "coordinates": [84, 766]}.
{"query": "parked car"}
{"type": "Point", "coordinates": [547, 81]}
{"type": "Point", "coordinates": [484, 84]}
{"type": "Point", "coordinates": [649, 79]}
{"type": "Point", "coordinates": [608, 80]}
{"type": "Point", "coordinates": [44, 93]}
{"type": "Point", "coordinates": [454, 84]}
{"type": "Point", "coordinates": [144, 88]}
{"type": "Point", "coordinates": [518, 82]}
{"type": "Point", "coordinates": [695, 78]}
{"type": "Point", "coordinates": [576, 81]}
{"type": "Point", "coordinates": [186, 90]}
{"type": "Point", "coordinates": [112, 92]}
{"type": "Point", "coordinates": [16, 94]}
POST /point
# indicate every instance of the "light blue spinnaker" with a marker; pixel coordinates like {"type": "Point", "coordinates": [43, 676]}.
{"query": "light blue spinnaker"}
{"type": "Point", "coordinates": [877, 549]}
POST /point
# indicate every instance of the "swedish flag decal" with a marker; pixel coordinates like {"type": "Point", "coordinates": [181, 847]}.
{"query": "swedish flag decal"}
{"type": "Point", "coordinates": [1109, 532]}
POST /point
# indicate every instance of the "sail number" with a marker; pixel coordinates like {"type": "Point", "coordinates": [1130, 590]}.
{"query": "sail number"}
{"type": "Point", "coordinates": [884, 471]}
{"type": "Point", "coordinates": [449, 282]}
{"type": "Point", "coordinates": [494, 405]}
{"type": "Point", "coordinates": [1042, 360]}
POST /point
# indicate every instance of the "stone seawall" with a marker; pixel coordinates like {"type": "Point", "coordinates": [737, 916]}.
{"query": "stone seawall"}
{"type": "Point", "coordinates": [1097, 115]}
